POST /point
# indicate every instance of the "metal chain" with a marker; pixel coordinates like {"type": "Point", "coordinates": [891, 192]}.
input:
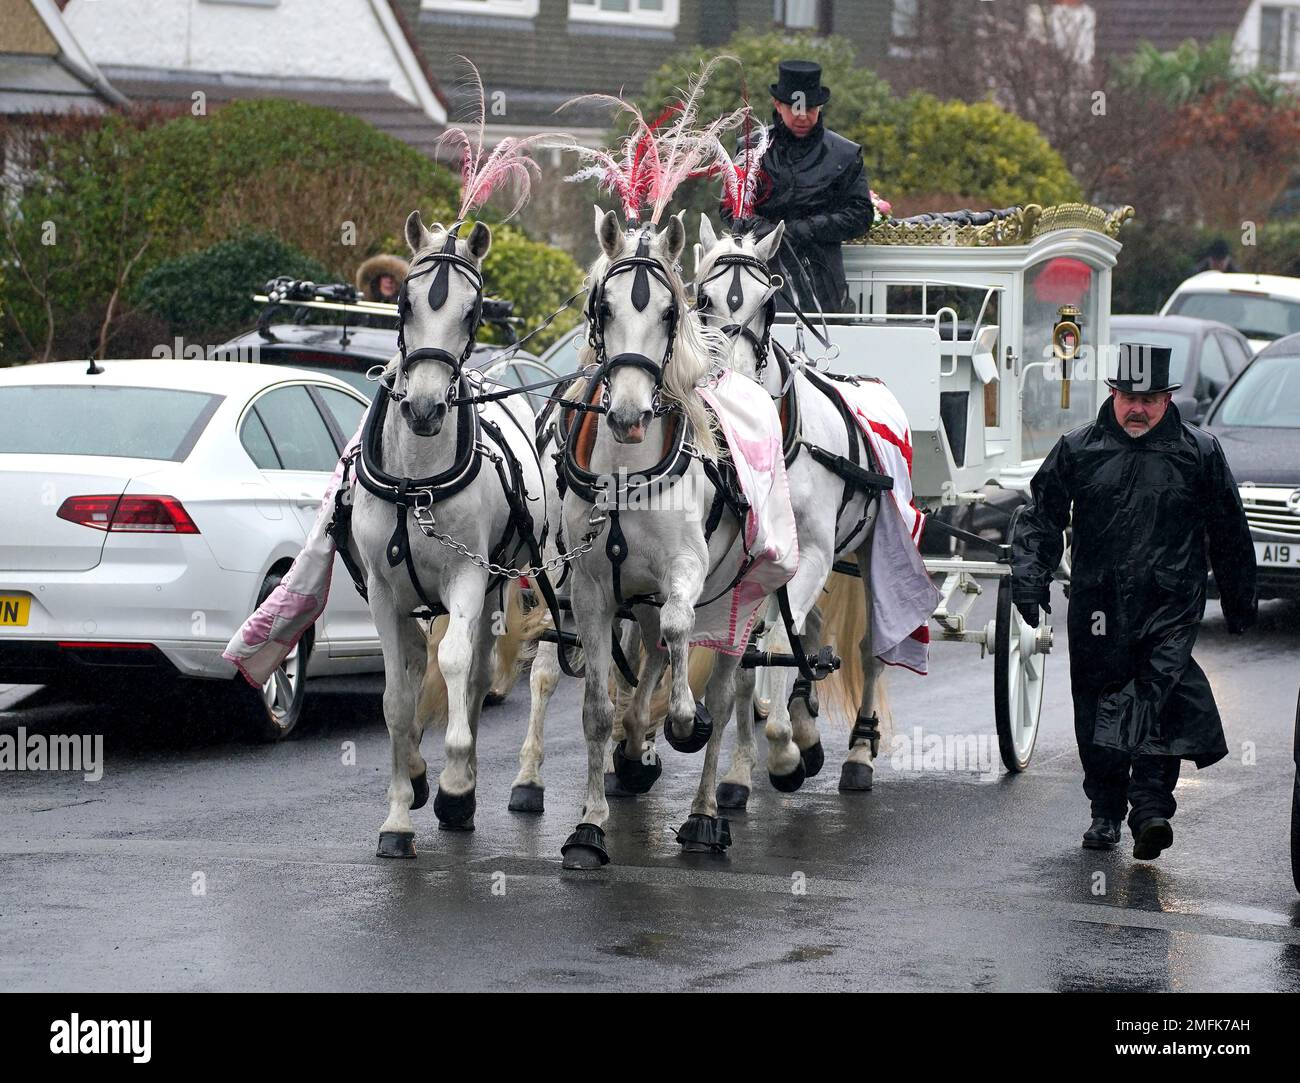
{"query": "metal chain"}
{"type": "Point", "coordinates": [596, 520]}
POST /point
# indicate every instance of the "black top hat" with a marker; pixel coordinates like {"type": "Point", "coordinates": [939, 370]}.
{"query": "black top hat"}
{"type": "Point", "coordinates": [800, 77]}
{"type": "Point", "coordinates": [1143, 369]}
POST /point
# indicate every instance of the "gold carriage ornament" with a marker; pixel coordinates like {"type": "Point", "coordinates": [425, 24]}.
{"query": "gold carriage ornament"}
{"type": "Point", "coordinates": [1067, 340]}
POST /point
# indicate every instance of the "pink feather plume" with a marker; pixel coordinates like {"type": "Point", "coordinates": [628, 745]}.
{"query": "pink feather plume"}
{"type": "Point", "coordinates": [482, 173]}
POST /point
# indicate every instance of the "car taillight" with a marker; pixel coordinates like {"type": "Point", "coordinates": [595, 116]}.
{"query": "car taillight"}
{"type": "Point", "coordinates": [132, 514]}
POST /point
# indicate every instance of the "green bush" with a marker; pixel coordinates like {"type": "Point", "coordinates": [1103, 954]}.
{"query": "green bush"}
{"type": "Point", "coordinates": [537, 278]}
{"type": "Point", "coordinates": [206, 295]}
{"type": "Point", "coordinates": [979, 152]}
{"type": "Point", "coordinates": [125, 192]}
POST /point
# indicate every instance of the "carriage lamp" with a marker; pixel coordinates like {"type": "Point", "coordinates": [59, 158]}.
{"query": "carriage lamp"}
{"type": "Point", "coordinates": [1067, 337]}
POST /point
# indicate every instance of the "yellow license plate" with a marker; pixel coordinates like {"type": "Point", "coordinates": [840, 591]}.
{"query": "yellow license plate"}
{"type": "Point", "coordinates": [14, 610]}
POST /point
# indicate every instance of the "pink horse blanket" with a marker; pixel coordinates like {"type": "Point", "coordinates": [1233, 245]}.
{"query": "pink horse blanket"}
{"type": "Point", "coordinates": [903, 596]}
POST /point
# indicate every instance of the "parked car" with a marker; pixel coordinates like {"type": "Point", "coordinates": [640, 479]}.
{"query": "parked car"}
{"type": "Point", "coordinates": [357, 338]}
{"type": "Point", "coordinates": [1264, 308]}
{"type": "Point", "coordinates": [1206, 355]}
{"type": "Point", "coordinates": [149, 506]}
{"type": "Point", "coordinates": [1257, 421]}
{"type": "Point", "coordinates": [1295, 804]}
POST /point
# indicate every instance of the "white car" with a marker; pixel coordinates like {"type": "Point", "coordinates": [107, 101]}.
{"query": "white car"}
{"type": "Point", "coordinates": [1264, 308]}
{"type": "Point", "coordinates": [145, 511]}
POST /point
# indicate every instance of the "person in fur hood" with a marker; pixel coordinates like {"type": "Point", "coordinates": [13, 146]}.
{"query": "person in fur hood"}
{"type": "Point", "coordinates": [380, 278]}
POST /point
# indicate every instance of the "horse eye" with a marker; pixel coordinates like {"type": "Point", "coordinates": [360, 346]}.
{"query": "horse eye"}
{"type": "Point", "coordinates": [606, 313]}
{"type": "Point", "coordinates": [668, 315]}
{"type": "Point", "coordinates": [704, 302]}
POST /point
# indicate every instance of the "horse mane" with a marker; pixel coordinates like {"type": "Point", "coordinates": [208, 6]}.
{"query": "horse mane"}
{"type": "Point", "coordinates": [696, 351]}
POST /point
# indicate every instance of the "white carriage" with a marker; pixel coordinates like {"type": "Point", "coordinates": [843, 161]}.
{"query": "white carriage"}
{"type": "Point", "coordinates": [973, 328]}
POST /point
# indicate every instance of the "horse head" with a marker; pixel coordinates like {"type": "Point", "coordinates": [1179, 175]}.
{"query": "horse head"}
{"type": "Point", "coordinates": [734, 284]}
{"type": "Point", "coordinates": [439, 310]}
{"type": "Point", "coordinates": [646, 341]}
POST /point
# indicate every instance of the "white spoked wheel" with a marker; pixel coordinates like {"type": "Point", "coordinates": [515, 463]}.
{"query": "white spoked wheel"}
{"type": "Point", "coordinates": [1020, 660]}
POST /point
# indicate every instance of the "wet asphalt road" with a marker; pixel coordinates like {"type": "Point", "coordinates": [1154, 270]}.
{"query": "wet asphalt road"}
{"type": "Point", "coordinates": [937, 880]}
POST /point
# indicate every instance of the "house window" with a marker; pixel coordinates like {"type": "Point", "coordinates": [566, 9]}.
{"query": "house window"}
{"type": "Point", "coordinates": [796, 14]}
{"type": "Point", "coordinates": [1279, 38]}
{"type": "Point", "coordinates": [907, 14]}
{"type": "Point", "coordinates": [518, 8]}
{"type": "Point", "coordinates": [661, 13]}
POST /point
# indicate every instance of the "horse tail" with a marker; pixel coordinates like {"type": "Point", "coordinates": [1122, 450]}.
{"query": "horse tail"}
{"type": "Point", "coordinates": [431, 708]}
{"type": "Point", "coordinates": [509, 643]}
{"type": "Point", "coordinates": [844, 623]}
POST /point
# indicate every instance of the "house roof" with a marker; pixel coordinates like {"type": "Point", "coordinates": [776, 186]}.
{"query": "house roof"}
{"type": "Point", "coordinates": [1166, 24]}
{"type": "Point", "coordinates": [42, 68]}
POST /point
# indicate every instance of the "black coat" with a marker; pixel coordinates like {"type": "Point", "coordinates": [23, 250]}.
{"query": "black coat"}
{"type": "Point", "coordinates": [818, 186]}
{"type": "Point", "coordinates": [1147, 512]}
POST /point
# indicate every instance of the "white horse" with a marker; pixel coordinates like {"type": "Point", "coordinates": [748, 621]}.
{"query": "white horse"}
{"type": "Point", "coordinates": [734, 290]}
{"type": "Point", "coordinates": [442, 485]}
{"type": "Point", "coordinates": [651, 443]}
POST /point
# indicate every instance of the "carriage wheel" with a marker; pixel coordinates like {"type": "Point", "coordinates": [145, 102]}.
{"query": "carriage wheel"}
{"type": "Point", "coordinates": [1019, 669]}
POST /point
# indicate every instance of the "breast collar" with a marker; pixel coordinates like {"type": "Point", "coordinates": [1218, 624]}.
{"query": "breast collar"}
{"type": "Point", "coordinates": [631, 489]}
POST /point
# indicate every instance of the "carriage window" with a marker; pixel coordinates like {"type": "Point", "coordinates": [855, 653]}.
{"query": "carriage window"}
{"type": "Point", "coordinates": [1049, 286]}
{"type": "Point", "coordinates": [297, 431]}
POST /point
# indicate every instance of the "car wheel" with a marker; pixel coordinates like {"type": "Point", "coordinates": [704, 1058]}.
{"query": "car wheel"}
{"type": "Point", "coordinates": [1295, 830]}
{"type": "Point", "coordinates": [274, 710]}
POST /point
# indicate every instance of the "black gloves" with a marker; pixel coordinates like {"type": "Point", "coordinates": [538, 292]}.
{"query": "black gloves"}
{"type": "Point", "coordinates": [1029, 610]}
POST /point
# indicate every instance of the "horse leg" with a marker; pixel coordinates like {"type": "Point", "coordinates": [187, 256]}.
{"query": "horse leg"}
{"type": "Point", "coordinates": [733, 790]}
{"type": "Point", "coordinates": [802, 705]}
{"type": "Point", "coordinates": [787, 765]}
{"type": "Point", "coordinates": [461, 659]}
{"type": "Point", "coordinates": [704, 831]}
{"type": "Point", "coordinates": [857, 773]}
{"type": "Point", "coordinates": [631, 644]}
{"type": "Point", "coordinates": [527, 793]}
{"type": "Point", "coordinates": [688, 725]}
{"type": "Point", "coordinates": [404, 663]}
{"type": "Point", "coordinates": [636, 765]}
{"type": "Point", "coordinates": [594, 613]}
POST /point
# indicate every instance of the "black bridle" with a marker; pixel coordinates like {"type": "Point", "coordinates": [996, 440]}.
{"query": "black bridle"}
{"type": "Point", "coordinates": [440, 265]}
{"type": "Point", "coordinates": [772, 283]}
{"type": "Point", "coordinates": [644, 267]}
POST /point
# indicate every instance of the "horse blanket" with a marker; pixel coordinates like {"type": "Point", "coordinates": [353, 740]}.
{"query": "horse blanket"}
{"type": "Point", "coordinates": [903, 596]}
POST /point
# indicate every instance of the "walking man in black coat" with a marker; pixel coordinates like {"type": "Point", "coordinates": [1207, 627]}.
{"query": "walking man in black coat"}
{"type": "Point", "coordinates": [1152, 496]}
{"type": "Point", "coordinates": [815, 183]}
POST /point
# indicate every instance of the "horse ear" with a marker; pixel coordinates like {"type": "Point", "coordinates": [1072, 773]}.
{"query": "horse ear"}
{"type": "Point", "coordinates": [673, 237]}
{"type": "Point", "coordinates": [416, 235]}
{"type": "Point", "coordinates": [765, 248]}
{"type": "Point", "coordinates": [707, 237]}
{"type": "Point", "coordinates": [611, 237]}
{"type": "Point", "coordinates": [480, 240]}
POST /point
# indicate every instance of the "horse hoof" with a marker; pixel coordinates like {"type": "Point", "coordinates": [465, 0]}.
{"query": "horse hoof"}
{"type": "Point", "coordinates": [614, 788]}
{"type": "Point", "coordinates": [732, 795]}
{"type": "Point", "coordinates": [421, 785]}
{"type": "Point", "coordinates": [455, 812]}
{"type": "Point", "coordinates": [527, 797]}
{"type": "Point", "coordinates": [813, 757]}
{"type": "Point", "coordinates": [636, 776]}
{"type": "Point", "coordinates": [701, 730]}
{"type": "Point", "coordinates": [791, 782]}
{"type": "Point", "coordinates": [396, 844]}
{"type": "Point", "coordinates": [494, 699]}
{"type": "Point", "coordinates": [585, 848]}
{"type": "Point", "coordinates": [702, 834]}
{"type": "Point", "coordinates": [855, 777]}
